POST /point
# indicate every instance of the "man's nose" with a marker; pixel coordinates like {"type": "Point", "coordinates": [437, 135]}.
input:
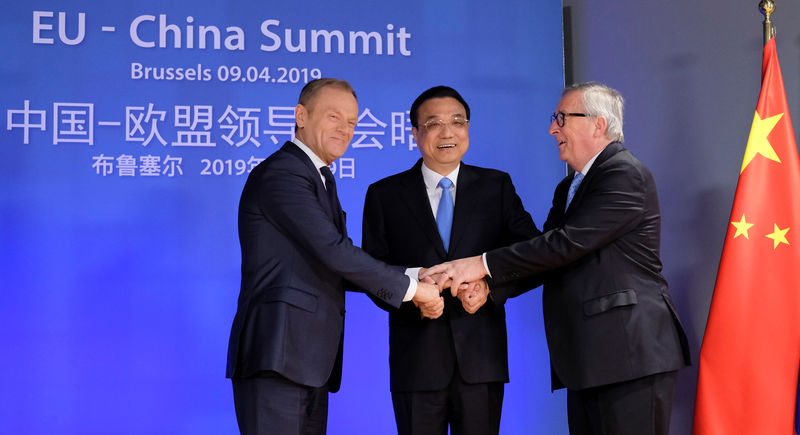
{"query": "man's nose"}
{"type": "Point", "coordinates": [448, 129]}
{"type": "Point", "coordinates": [553, 127]}
{"type": "Point", "coordinates": [345, 127]}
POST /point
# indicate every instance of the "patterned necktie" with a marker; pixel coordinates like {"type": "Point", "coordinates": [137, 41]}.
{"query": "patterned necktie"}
{"type": "Point", "coordinates": [573, 187]}
{"type": "Point", "coordinates": [333, 197]}
{"type": "Point", "coordinates": [444, 214]}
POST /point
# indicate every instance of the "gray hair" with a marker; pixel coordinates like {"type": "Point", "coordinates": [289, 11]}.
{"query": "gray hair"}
{"type": "Point", "coordinates": [600, 100]}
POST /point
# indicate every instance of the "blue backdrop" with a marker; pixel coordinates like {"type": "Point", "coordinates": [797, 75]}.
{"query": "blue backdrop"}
{"type": "Point", "coordinates": [129, 131]}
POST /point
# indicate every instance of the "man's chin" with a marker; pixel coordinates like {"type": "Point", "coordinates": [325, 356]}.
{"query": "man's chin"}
{"type": "Point", "coordinates": [339, 146]}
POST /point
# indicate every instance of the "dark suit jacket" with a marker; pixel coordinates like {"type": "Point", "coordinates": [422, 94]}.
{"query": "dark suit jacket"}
{"type": "Point", "coordinates": [607, 309]}
{"type": "Point", "coordinates": [295, 261]}
{"type": "Point", "coordinates": [399, 228]}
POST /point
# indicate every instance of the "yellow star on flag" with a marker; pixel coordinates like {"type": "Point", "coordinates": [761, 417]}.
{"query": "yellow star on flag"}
{"type": "Point", "coordinates": [778, 236]}
{"type": "Point", "coordinates": [741, 228]}
{"type": "Point", "coordinates": [757, 143]}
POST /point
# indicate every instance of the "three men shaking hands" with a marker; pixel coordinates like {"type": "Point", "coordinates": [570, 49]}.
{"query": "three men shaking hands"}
{"type": "Point", "coordinates": [613, 334]}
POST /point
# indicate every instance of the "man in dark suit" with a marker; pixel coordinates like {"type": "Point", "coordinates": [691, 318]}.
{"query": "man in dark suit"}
{"type": "Point", "coordinates": [449, 370]}
{"type": "Point", "coordinates": [285, 350]}
{"type": "Point", "coordinates": [613, 333]}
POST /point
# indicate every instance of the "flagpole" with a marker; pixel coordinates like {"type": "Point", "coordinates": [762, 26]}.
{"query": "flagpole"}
{"type": "Point", "coordinates": [767, 7]}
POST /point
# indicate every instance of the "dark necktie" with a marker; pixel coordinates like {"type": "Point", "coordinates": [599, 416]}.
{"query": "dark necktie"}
{"type": "Point", "coordinates": [444, 214]}
{"type": "Point", "coordinates": [333, 197]}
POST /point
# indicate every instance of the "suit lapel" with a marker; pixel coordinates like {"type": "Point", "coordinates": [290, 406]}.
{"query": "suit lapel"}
{"type": "Point", "coordinates": [608, 151]}
{"type": "Point", "coordinates": [334, 211]}
{"type": "Point", "coordinates": [466, 199]}
{"type": "Point", "coordinates": [415, 196]}
{"type": "Point", "coordinates": [555, 217]}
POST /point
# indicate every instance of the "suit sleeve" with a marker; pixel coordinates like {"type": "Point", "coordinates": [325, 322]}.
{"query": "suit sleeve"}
{"type": "Point", "coordinates": [613, 205]}
{"type": "Point", "coordinates": [288, 198]}
{"type": "Point", "coordinates": [519, 226]}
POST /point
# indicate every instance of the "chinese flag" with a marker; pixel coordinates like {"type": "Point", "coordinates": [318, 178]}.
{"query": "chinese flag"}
{"type": "Point", "coordinates": [751, 348]}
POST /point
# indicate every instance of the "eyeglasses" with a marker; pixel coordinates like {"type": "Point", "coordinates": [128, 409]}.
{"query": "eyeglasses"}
{"type": "Point", "coordinates": [437, 125]}
{"type": "Point", "coordinates": [558, 117]}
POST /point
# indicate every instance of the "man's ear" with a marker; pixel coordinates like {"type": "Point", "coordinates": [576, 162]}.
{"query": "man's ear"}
{"type": "Point", "coordinates": [600, 126]}
{"type": "Point", "coordinates": [414, 132]}
{"type": "Point", "coordinates": [300, 115]}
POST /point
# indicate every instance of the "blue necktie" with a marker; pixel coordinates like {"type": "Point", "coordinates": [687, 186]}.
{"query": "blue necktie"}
{"type": "Point", "coordinates": [444, 214]}
{"type": "Point", "coordinates": [573, 187]}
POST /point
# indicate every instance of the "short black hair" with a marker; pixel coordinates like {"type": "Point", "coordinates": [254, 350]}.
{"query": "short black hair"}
{"type": "Point", "coordinates": [435, 92]}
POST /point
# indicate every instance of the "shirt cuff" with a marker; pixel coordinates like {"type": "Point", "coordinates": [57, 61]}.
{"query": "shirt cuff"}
{"type": "Point", "coordinates": [412, 273]}
{"type": "Point", "coordinates": [486, 265]}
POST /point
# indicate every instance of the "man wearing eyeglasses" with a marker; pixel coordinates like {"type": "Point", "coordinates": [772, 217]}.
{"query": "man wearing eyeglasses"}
{"type": "Point", "coordinates": [451, 370]}
{"type": "Point", "coordinates": [613, 333]}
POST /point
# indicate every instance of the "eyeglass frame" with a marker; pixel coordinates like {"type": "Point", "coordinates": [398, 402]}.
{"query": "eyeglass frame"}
{"type": "Point", "coordinates": [441, 123]}
{"type": "Point", "coordinates": [559, 117]}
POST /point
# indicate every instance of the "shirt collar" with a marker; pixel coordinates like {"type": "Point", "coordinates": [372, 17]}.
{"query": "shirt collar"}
{"type": "Point", "coordinates": [432, 177]}
{"type": "Point", "coordinates": [589, 164]}
{"type": "Point", "coordinates": [318, 163]}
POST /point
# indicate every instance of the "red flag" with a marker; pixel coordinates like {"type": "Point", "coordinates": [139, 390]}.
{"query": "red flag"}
{"type": "Point", "coordinates": [751, 348]}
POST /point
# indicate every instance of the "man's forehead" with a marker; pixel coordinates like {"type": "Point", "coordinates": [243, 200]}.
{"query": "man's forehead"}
{"type": "Point", "coordinates": [445, 106]}
{"type": "Point", "coordinates": [330, 93]}
{"type": "Point", "coordinates": [571, 100]}
{"type": "Point", "coordinates": [329, 96]}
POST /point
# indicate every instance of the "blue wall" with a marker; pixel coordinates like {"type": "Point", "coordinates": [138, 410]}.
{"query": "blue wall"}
{"type": "Point", "coordinates": [119, 257]}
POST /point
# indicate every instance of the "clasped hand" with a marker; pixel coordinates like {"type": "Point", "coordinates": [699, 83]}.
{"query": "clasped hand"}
{"type": "Point", "coordinates": [428, 299]}
{"type": "Point", "coordinates": [455, 273]}
{"type": "Point", "coordinates": [471, 294]}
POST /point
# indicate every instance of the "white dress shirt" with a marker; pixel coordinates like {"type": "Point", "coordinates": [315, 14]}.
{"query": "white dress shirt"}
{"type": "Point", "coordinates": [432, 179]}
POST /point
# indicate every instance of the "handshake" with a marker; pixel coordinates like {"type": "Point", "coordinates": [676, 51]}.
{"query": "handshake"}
{"type": "Point", "coordinates": [472, 293]}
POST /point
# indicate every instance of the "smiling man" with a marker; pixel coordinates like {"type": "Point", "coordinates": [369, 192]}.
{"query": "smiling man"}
{"type": "Point", "coordinates": [613, 334]}
{"type": "Point", "coordinates": [451, 370]}
{"type": "Point", "coordinates": [285, 349]}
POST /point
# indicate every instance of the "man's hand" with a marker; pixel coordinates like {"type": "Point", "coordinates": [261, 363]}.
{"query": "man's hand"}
{"type": "Point", "coordinates": [432, 310]}
{"type": "Point", "coordinates": [440, 280]}
{"type": "Point", "coordinates": [428, 299]}
{"type": "Point", "coordinates": [473, 295]}
{"type": "Point", "coordinates": [457, 272]}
